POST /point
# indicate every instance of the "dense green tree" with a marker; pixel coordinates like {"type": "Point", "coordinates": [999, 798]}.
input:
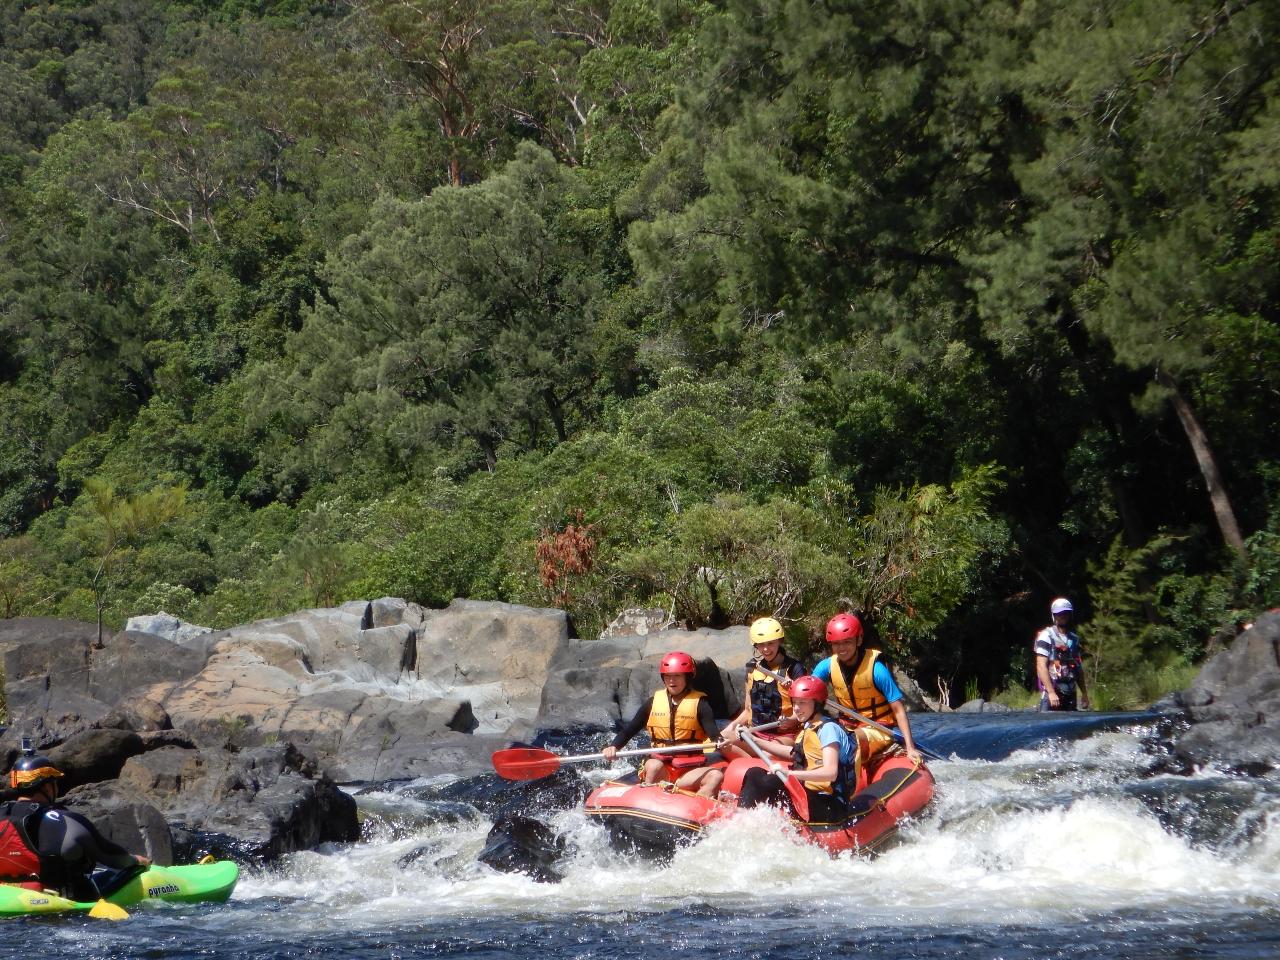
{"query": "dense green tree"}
{"type": "Point", "coordinates": [461, 321]}
{"type": "Point", "coordinates": [913, 308]}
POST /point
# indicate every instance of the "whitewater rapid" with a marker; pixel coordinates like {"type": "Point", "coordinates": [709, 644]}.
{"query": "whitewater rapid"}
{"type": "Point", "coordinates": [1043, 835]}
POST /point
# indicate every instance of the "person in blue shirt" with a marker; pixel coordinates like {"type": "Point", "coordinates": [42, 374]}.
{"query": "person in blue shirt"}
{"type": "Point", "coordinates": [862, 681]}
{"type": "Point", "coordinates": [824, 759]}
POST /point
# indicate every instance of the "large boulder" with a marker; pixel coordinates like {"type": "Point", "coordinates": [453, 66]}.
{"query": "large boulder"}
{"type": "Point", "coordinates": [496, 655]}
{"type": "Point", "coordinates": [1234, 705]}
{"type": "Point", "coordinates": [257, 804]}
{"type": "Point", "coordinates": [57, 683]}
{"type": "Point", "coordinates": [600, 684]}
{"type": "Point", "coordinates": [170, 628]}
{"type": "Point", "coordinates": [376, 690]}
{"type": "Point", "coordinates": [91, 756]}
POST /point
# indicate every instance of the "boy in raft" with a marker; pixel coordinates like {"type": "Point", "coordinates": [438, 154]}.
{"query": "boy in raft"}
{"type": "Point", "coordinates": [766, 699]}
{"type": "Point", "coordinates": [678, 714]}
{"type": "Point", "coordinates": [862, 681]}
{"type": "Point", "coordinates": [824, 759]}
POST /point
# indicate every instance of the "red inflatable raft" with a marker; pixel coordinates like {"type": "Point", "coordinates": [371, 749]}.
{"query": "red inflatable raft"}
{"type": "Point", "coordinates": [655, 819]}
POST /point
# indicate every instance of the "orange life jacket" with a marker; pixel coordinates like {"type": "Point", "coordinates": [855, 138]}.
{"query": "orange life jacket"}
{"type": "Point", "coordinates": [864, 697]}
{"type": "Point", "coordinates": [807, 755]}
{"type": "Point", "coordinates": [668, 728]}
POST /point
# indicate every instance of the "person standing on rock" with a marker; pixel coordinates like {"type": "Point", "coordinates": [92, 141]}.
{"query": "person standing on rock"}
{"type": "Point", "coordinates": [766, 699]}
{"type": "Point", "coordinates": [44, 845]}
{"type": "Point", "coordinates": [1059, 667]}
{"type": "Point", "coordinates": [862, 681]}
{"type": "Point", "coordinates": [678, 714]}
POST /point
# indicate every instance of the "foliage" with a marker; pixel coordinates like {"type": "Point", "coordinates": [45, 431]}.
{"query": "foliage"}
{"type": "Point", "coordinates": [934, 310]}
{"type": "Point", "coordinates": [117, 524]}
{"type": "Point", "coordinates": [564, 555]}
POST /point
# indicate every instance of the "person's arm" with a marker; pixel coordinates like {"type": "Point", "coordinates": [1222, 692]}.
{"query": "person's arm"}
{"type": "Point", "coordinates": [1042, 673]}
{"type": "Point", "coordinates": [73, 839]}
{"type": "Point", "coordinates": [773, 747]}
{"type": "Point", "coordinates": [707, 719]}
{"type": "Point", "coordinates": [1084, 691]}
{"type": "Point", "coordinates": [882, 677]}
{"type": "Point", "coordinates": [638, 723]}
{"type": "Point", "coordinates": [904, 726]}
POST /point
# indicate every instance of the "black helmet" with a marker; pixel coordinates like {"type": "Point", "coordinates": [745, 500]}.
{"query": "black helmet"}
{"type": "Point", "coordinates": [31, 771]}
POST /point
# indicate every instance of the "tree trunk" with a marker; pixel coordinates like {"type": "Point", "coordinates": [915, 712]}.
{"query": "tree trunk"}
{"type": "Point", "coordinates": [1222, 509]}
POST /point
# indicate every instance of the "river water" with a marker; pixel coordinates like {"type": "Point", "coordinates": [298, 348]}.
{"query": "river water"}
{"type": "Point", "coordinates": [1050, 837]}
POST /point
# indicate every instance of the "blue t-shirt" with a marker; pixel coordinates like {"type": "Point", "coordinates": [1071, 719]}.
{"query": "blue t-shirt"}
{"type": "Point", "coordinates": [881, 676]}
{"type": "Point", "coordinates": [830, 733]}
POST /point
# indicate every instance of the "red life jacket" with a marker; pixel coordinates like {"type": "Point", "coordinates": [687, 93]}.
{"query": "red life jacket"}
{"type": "Point", "coordinates": [19, 861]}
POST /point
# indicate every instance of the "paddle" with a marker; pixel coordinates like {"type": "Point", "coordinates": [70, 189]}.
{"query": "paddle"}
{"type": "Point", "coordinates": [795, 789]}
{"type": "Point", "coordinates": [106, 910]}
{"type": "Point", "coordinates": [529, 763]}
{"type": "Point", "coordinates": [840, 708]}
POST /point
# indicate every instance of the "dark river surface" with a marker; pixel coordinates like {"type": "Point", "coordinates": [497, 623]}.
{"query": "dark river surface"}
{"type": "Point", "coordinates": [1051, 837]}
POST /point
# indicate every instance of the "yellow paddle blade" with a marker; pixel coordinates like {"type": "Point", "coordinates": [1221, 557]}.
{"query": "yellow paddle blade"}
{"type": "Point", "coordinates": [106, 910]}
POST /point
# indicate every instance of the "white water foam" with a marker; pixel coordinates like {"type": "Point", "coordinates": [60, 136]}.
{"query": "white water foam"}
{"type": "Point", "coordinates": [1044, 836]}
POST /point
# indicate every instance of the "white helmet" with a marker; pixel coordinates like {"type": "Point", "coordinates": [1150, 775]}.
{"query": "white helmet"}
{"type": "Point", "coordinates": [1061, 605]}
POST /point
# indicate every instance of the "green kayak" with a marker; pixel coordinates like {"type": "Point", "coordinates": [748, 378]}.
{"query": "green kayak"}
{"type": "Point", "coordinates": [194, 883]}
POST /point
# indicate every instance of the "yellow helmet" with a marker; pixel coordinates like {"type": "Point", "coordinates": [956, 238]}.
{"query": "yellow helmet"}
{"type": "Point", "coordinates": [766, 630]}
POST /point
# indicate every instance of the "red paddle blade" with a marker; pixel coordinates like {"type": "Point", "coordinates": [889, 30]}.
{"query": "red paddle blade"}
{"type": "Point", "coordinates": [525, 763]}
{"type": "Point", "coordinates": [799, 797]}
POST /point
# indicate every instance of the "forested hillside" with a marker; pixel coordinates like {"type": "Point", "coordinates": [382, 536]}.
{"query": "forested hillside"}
{"type": "Point", "coordinates": [937, 310]}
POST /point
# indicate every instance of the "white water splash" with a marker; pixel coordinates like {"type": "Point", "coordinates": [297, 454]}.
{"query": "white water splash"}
{"type": "Point", "coordinates": [1044, 836]}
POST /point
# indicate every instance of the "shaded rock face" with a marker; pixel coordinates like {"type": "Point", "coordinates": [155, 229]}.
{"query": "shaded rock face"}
{"type": "Point", "coordinates": [1234, 705]}
{"type": "Point", "coordinates": [600, 684]}
{"type": "Point", "coordinates": [518, 844]}
{"type": "Point", "coordinates": [56, 684]}
{"type": "Point", "coordinates": [94, 755]}
{"type": "Point", "coordinates": [258, 804]}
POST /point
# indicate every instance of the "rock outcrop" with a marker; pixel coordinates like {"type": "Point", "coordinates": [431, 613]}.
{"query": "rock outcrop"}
{"type": "Point", "coordinates": [376, 690]}
{"type": "Point", "coordinates": [183, 738]}
{"type": "Point", "coordinates": [1234, 705]}
{"type": "Point", "coordinates": [597, 684]}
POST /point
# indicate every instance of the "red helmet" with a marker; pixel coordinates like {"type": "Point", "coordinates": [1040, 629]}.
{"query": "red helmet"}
{"type": "Point", "coordinates": [808, 688]}
{"type": "Point", "coordinates": [843, 626]}
{"type": "Point", "coordinates": [676, 662]}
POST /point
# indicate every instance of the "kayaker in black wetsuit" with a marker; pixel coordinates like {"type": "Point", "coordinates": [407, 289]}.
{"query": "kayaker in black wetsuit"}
{"type": "Point", "coordinates": [40, 842]}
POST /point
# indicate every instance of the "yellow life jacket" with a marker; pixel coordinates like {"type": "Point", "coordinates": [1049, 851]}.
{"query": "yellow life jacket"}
{"type": "Point", "coordinates": [864, 698]}
{"type": "Point", "coordinates": [807, 753]}
{"type": "Point", "coordinates": [668, 728]}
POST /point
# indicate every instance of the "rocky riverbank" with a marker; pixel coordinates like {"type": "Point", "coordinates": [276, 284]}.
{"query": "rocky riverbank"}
{"type": "Point", "coordinates": [179, 739]}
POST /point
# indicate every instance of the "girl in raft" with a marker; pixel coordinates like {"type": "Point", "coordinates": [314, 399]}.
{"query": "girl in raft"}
{"type": "Point", "coordinates": [824, 759]}
{"type": "Point", "coordinates": [766, 699]}
{"type": "Point", "coordinates": [678, 714]}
